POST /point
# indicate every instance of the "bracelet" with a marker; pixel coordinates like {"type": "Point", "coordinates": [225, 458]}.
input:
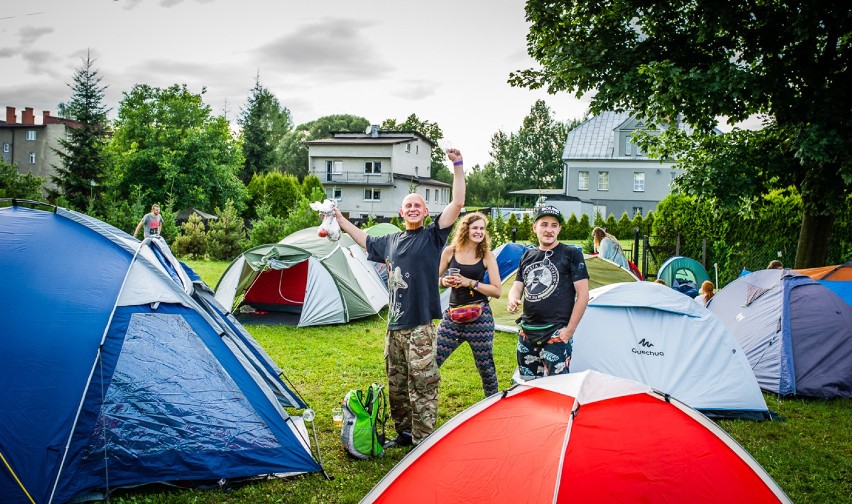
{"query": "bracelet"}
{"type": "Point", "coordinates": [476, 285]}
{"type": "Point", "coordinates": [458, 163]}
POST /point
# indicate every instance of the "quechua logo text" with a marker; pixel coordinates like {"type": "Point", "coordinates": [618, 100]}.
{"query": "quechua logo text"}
{"type": "Point", "coordinates": [645, 349]}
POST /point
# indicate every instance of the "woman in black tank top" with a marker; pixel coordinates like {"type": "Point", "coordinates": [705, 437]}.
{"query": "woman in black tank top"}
{"type": "Point", "coordinates": [470, 254]}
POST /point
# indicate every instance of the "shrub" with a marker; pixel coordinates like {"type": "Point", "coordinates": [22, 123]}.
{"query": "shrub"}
{"type": "Point", "coordinates": [192, 241]}
{"type": "Point", "coordinates": [267, 228]}
{"type": "Point", "coordinates": [226, 237]}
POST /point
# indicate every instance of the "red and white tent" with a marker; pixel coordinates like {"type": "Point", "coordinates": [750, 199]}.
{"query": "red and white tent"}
{"type": "Point", "coordinates": [580, 437]}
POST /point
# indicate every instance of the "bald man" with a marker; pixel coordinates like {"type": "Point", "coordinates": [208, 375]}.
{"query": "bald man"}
{"type": "Point", "coordinates": [412, 257]}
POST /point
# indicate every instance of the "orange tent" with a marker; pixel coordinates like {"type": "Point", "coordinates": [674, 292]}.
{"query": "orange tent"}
{"type": "Point", "coordinates": [837, 272]}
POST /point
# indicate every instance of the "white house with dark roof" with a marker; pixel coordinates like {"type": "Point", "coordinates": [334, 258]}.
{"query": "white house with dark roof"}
{"type": "Point", "coordinates": [370, 173]}
{"type": "Point", "coordinates": [603, 167]}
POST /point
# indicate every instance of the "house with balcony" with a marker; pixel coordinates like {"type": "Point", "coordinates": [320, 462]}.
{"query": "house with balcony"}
{"type": "Point", "coordinates": [370, 173]}
{"type": "Point", "coordinates": [606, 171]}
{"type": "Point", "coordinates": [30, 146]}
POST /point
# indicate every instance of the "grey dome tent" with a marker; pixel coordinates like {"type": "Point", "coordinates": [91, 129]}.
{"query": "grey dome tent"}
{"type": "Point", "coordinates": [796, 333]}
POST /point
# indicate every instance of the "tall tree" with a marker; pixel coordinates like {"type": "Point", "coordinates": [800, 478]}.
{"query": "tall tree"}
{"type": "Point", "coordinates": [83, 153]}
{"type": "Point", "coordinates": [169, 145]}
{"type": "Point", "coordinates": [532, 157]}
{"type": "Point", "coordinates": [295, 152]}
{"type": "Point", "coordinates": [265, 125]}
{"type": "Point", "coordinates": [787, 61]}
{"type": "Point", "coordinates": [485, 186]}
{"type": "Point", "coordinates": [431, 131]}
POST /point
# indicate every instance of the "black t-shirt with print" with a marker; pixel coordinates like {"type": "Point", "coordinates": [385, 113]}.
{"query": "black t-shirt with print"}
{"type": "Point", "coordinates": [413, 258]}
{"type": "Point", "coordinates": [548, 277]}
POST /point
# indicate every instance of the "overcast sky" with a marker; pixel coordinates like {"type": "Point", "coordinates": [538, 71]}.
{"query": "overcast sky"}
{"type": "Point", "coordinates": [445, 60]}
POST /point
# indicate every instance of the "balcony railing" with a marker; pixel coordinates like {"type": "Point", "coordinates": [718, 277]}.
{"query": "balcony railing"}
{"type": "Point", "coordinates": [352, 177]}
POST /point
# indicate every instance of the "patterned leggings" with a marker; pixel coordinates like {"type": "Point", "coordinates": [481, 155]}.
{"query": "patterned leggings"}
{"type": "Point", "coordinates": [479, 334]}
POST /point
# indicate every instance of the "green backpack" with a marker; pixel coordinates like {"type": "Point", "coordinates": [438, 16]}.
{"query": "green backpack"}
{"type": "Point", "coordinates": [364, 413]}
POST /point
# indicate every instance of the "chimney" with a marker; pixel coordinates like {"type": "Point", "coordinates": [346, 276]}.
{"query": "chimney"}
{"type": "Point", "coordinates": [11, 117]}
{"type": "Point", "coordinates": [28, 117]}
{"type": "Point", "coordinates": [45, 117]}
{"type": "Point", "coordinates": [374, 131]}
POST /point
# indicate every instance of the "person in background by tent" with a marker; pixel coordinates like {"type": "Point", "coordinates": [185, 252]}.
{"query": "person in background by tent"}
{"type": "Point", "coordinates": [470, 253]}
{"type": "Point", "coordinates": [552, 313]}
{"type": "Point", "coordinates": [607, 246]}
{"type": "Point", "coordinates": [706, 293]}
{"type": "Point", "coordinates": [660, 281]}
{"type": "Point", "coordinates": [775, 264]}
{"type": "Point", "coordinates": [414, 303]}
{"type": "Point", "coordinates": [151, 223]}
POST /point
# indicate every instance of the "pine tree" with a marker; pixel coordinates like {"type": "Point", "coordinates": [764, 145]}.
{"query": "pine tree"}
{"type": "Point", "coordinates": [226, 236]}
{"type": "Point", "coordinates": [83, 155]}
{"type": "Point", "coordinates": [265, 125]}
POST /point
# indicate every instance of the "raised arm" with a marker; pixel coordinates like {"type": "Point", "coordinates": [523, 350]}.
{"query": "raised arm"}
{"type": "Point", "coordinates": [354, 232]}
{"type": "Point", "coordinates": [454, 208]}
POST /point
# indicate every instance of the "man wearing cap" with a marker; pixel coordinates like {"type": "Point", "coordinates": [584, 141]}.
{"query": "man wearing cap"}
{"type": "Point", "coordinates": [553, 283]}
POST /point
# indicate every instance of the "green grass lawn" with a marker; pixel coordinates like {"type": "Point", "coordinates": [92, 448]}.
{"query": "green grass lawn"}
{"type": "Point", "coordinates": [809, 454]}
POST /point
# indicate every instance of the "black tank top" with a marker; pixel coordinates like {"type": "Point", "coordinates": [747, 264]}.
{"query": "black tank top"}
{"type": "Point", "coordinates": [461, 295]}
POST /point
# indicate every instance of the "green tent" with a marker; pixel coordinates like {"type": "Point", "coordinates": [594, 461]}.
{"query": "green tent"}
{"type": "Point", "coordinates": [319, 280]}
{"type": "Point", "coordinates": [682, 274]}
{"type": "Point", "coordinates": [381, 229]}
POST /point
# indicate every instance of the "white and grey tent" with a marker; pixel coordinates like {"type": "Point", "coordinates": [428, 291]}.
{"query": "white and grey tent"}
{"type": "Point", "coordinates": [302, 280]}
{"type": "Point", "coordinates": [655, 335]}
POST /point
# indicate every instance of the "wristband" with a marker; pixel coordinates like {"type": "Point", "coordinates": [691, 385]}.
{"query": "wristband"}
{"type": "Point", "coordinates": [476, 285]}
{"type": "Point", "coordinates": [458, 163]}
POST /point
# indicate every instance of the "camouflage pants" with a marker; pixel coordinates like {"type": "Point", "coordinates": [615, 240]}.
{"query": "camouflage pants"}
{"type": "Point", "coordinates": [413, 379]}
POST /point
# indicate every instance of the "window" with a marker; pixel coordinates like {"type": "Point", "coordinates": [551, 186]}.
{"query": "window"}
{"type": "Point", "coordinates": [638, 181]}
{"type": "Point", "coordinates": [583, 181]}
{"type": "Point", "coordinates": [627, 144]}
{"type": "Point", "coordinates": [373, 167]}
{"type": "Point", "coordinates": [31, 135]}
{"type": "Point", "coordinates": [371, 194]}
{"type": "Point", "coordinates": [5, 147]}
{"type": "Point", "coordinates": [417, 149]}
{"type": "Point", "coordinates": [427, 195]}
{"type": "Point", "coordinates": [637, 209]}
{"type": "Point", "coordinates": [603, 181]}
{"type": "Point", "coordinates": [334, 193]}
{"type": "Point", "coordinates": [32, 158]}
{"type": "Point", "coordinates": [408, 147]}
{"type": "Point", "coordinates": [333, 168]}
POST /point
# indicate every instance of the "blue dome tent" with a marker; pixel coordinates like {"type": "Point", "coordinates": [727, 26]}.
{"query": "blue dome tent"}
{"type": "Point", "coordinates": [119, 370]}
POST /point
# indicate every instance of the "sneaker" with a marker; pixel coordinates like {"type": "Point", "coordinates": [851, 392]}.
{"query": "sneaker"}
{"type": "Point", "coordinates": [403, 439]}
